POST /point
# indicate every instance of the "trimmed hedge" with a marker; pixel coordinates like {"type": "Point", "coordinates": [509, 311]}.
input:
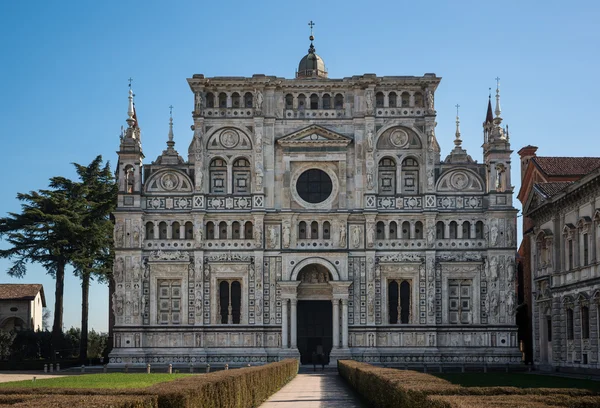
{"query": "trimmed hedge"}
{"type": "Point", "coordinates": [243, 387]}
{"type": "Point", "coordinates": [388, 388]}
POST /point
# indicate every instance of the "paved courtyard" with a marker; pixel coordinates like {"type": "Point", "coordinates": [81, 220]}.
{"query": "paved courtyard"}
{"type": "Point", "coordinates": [8, 376]}
{"type": "Point", "coordinates": [314, 390]}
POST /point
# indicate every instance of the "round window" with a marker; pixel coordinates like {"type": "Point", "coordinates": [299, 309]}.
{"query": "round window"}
{"type": "Point", "coordinates": [314, 186]}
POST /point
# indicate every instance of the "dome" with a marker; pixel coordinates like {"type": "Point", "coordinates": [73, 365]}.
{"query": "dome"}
{"type": "Point", "coordinates": [311, 66]}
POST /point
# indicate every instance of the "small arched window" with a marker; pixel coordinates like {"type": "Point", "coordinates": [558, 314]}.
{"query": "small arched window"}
{"type": "Point", "coordinates": [379, 99]}
{"type": "Point", "coordinates": [405, 98]}
{"type": "Point", "coordinates": [289, 101]}
{"type": "Point", "coordinates": [479, 230]}
{"type": "Point", "coordinates": [326, 101]}
{"type": "Point", "coordinates": [222, 230]}
{"type": "Point", "coordinates": [189, 230]}
{"type": "Point", "coordinates": [210, 100]}
{"type": "Point", "coordinates": [175, 228]}
{"type": "Point", "coordinates": [339, 101]}
{"type": "Point", "coordinates": [585, 322]}
{"type": "Point", "coordinates": [222, 100]}
{"type": "Point", "coordinates": [149, 230]}
{"type": "Point", "coordinates": [393, 99]}
{"type": "Point", "coordinates": [380, 230]}
{"type": "Point", "coordinates": [406, 230]}
{"type": "Point", "coordinates": [302, 230]}
{"type": "Point", "coordinates": [326, 230]}
{"type": "Point", "coordinates": [314, 101]}
{"type": "Point", "coordinates": [393, 230]}
{"type": "Point", "coordinates": [418, 100]}
{"type": "Point", "coordinates": [410, 176]}
{"type": "Point", "coordinates": [387, 176]}
{"type": "Point", "coordinates": [248, 100]}
{"type": "Point", "coordinates": [235, 230]}
{"type": "Point", "coordinates": [440, 230]}
{"type": "Point", "coordinates": [210, 230]}
{"type": "Point", "coordinates": [466, 230]}
{"type": "Point", "coordinates": [314, 230]}
{"type": "Point", "coordinates": [301, 102]}
{"type": "Point", "coordinates": [218, 176]}
{"type": "Point", "coordinates": [162, 230]}
{"type": "Point", "coordinates": [241, 176]}
{"type": "Point", "coordinates": [235, 100]}
{"type": "Point", "coordinates": [248, 230]}
{"type": "Point", "coordinates": [418, 230]}
{"type": "Point", "coordinates": [453, 229]}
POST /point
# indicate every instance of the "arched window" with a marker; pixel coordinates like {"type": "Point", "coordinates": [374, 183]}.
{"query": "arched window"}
{"type": "Point", "coordinates": [235, 100]}
{"type": "Point", "coordinates": [210, 230]}
{"type": "Point", "coordinates": [302, 230]}
{"type": "Point", "coordinates": [466, 230]}
{"type": "Point", "coordinates": [585, 322]}
{"type": "Point", "coordinates": [440, 230]}
{"type": "Point", "coordinates": [175, 228]}
{"type": "Point", "coordinates": [380, 230]}
{"type": "Point", "coordinates": [387, 176]}
{"type": "Point", "coordinates": [326, 230]}
{"type": "Point", "coordinates": [301, 102]}
{"type": "Point", "coordinates": [314, 230]}
{"type": "Point", "coordinates": [393, 99]}
{"type": "Point", "coordinates": [248, 100]}
{"type": "Point", "coordinates": [399, 301]}
{"type": "Point", "coordinates": [314, 101]}
{"type": "Point", "coordinates": [405, 302]}
{"type": "Point", "coordinates": [149, 230]}
{"type": "Point", "coordinates": [289, 101]}
{"type": "Point", "coordinates": [406, 230]}
{"type": "Point", "coordinates": [418, 230]}
{"type": "Point", "coordinates": [326, 101]}
{"type": "Point", "coordinates": [418, 100]}
{"type": "Point", "coordinates": [453, 229]}
{"type": "Point", "coordinates": [222, 100]}
{"type": "Point", "coordinates": [241, 176]}
{"type": "Point", "coordinates": [339, 101]}
{"type": "Point", "coordinates": [189, 230]}
{"type": "Point", "coordinates": [379, 99]}
{"type": "Point", "coordinates": [410, 176]}
{"type": "Point", "coordinates": [129, 178]}
{"type": "Point", "coordinates": [570, 331]}
{"type": "Point", "coordinates": [162, 230]}
{"type": "Point", "coordinates": [222, 230]}
{"type": "Point", "coordinates": [393, 230]}
{"type": "Point", "coordinates": [393, 298]}
{"type": "Point", "coordinates": [235, 230]}
{"type": "Point", "coordinates": [230, 301]}
{"type": "Point", "coordinates": [210, 100]}
{"type": "Point", "coordinates": [405, 99]}
{"type": "Point", "coordinates": [479, 230]}
{"type": "Point", "coordinates": [248, 230]}
{"type": "Point", "coordinates": [218, 176]}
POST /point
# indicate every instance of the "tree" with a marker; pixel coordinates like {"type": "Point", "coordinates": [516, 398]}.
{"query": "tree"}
{"type": "Point", "coordinates": [96, 344]}
{"type": "Point", "coordinates": [6, 342]}
{"type": "Point", "coordinates": [46, 318]}
{"type": "Point", "coordinates": [44, 233]}
{"type": "Point", "coordinates": [97, 190]}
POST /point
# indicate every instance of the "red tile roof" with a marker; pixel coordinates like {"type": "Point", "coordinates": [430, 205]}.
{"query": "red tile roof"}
{"type": "Point", "coordinates": [16, 291]}
{"type": "Point", "coordinates": [552, 188]}
{"type": "Point", "coordinates": [567, 166]}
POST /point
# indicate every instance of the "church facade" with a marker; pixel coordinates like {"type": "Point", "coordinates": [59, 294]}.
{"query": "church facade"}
{"type": "Point", "coordinates": [315, 216]}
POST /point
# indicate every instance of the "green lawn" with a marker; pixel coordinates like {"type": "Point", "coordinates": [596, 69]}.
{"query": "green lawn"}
{"type": "Point", "coordinates": [109, 380]}
{"type": "Point", "coordinates": [520, 380]}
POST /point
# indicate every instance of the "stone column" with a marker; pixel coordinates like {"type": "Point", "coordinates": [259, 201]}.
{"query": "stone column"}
{"type": "Point", "coordinates": [170, 230]}
{"type": "Point", "coordinates": [293, 322]}
{"type": "Point", "coordinates": [336, 323]}
{"type": "Point", "coordinates": [344, 323]}
{"type": "Point", "coordinates": [284, 324]}
{"type": "Point", "coordinates": [156, 231]}
{"type": "Point", "coordinates": [182, 230]}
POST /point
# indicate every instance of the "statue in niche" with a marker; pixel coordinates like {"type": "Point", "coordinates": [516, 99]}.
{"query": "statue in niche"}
{"type": "Point", "coordinates": [356, 236]}
{"type": "Point", "coordinates": [199, 233]}
{"type": "Point", "coordinates": [146, 271]}
{"type": "Point", "coordinates": [119, 270]}
{"type": "Point", "coordinates": [119, 305]}
{"type": "Point", "coordinates": [272, 237]}
{"type": "Point", "coordinates": [510, 271]}
{"type": "Point", "coordinates": [370, 141]}
{"type": "Point", "coordinates": [430, 140]}
{"type": "Point", "coordinates": [431, 234]}
{"type": "Point", "coordinates": [198, 102]}
{"type": "Point", "coordinates": [136, 307]}
{"type": "Point", "coordinates": [286, 235]}
{"type": "Point", "coordinates": [343, 235]}
{"type": "Point", "coordinates": [143, 301]}
{"type": "Point", "coordinates": [370, 179]}
{"type": "Point", "coordinates": [369, 99]}
{"type": "Point", "coordinates": [431, 299]}
{"type": "Point", "coordinates": [429, 101]}
{"type": "Point", "coordinates": [494, 233]}
{"type": "Point", "coordinates": [259, 141]}
{"type": "Point", "coordinates": [510, 303]}
{"type": "Point", "coordinates": [258, 233]}
{"type": "Point", "coordinates": [259, 100]}
{"type": "Point", "coordinates": [510, 233]}
{"type": "Point", "coordinates": [136, 236]}
{"type": "Point", "coordinates": [119, 234]}
{"type": "Point", "coordinates": [129, 179]}
{"type": "Point", "coordinates": [136, 271]}
{"type": "Point", "coordinates": [430, 178]}
{"type": "Point", "coordinates": [494, 304]}
{"type": "Point", "coordinates": [259, 177]}
{"type": "Point", "coordinates": [199, 175]}
{"type": "Point", "coordinates": [494, 268]}
{"type": "Point", "coordinates": [370, 234]}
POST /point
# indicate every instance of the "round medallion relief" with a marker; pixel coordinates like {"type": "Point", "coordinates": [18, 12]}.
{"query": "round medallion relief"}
{"type": "Point", "coordinates": [229, 139]}
{"type": "Point", "coordinates": [169, 181]}
{"type": "Point", "coordinates": [399, 138]}
{"type": "Point", "coordinates": [459, 181]}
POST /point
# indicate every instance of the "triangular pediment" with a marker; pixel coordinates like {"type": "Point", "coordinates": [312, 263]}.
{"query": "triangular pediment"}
{"type": "Point", "coordinates": [314, 135]}
{"type": "Point", "coordinates": [535, 200]}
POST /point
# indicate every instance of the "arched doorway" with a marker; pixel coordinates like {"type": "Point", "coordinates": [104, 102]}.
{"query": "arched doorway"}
{"type": "Point", "coordinates": [13, 324]}
{"type": "Point", "coordinates": [315, 320]}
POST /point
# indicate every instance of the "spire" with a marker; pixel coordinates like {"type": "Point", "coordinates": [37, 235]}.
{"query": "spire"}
{"type": "Point", "coordinates": [457, 141]}
{"type": "Point", "coordinates": [498, 110]}
{"type": "Point", "coordinates": [489, 117]}
{"type": "Point", "coordinates": [130, 108]}
{"type": "Point", "coordinates": [311, 49]}
{"type": "Point", "coordinates": [171, 124]}
{"type": "Point", "coordinates": [170, 155]}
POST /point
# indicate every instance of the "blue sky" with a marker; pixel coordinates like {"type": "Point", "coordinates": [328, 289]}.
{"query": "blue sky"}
{"type": "Point", "coordinates": [64, 68]}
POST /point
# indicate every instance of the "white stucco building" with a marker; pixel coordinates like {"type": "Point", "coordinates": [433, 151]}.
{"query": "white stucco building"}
{"type": "Point", "coordinates": [315, 214]}
{"type": "Point", "coordinates": [21, 306]}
